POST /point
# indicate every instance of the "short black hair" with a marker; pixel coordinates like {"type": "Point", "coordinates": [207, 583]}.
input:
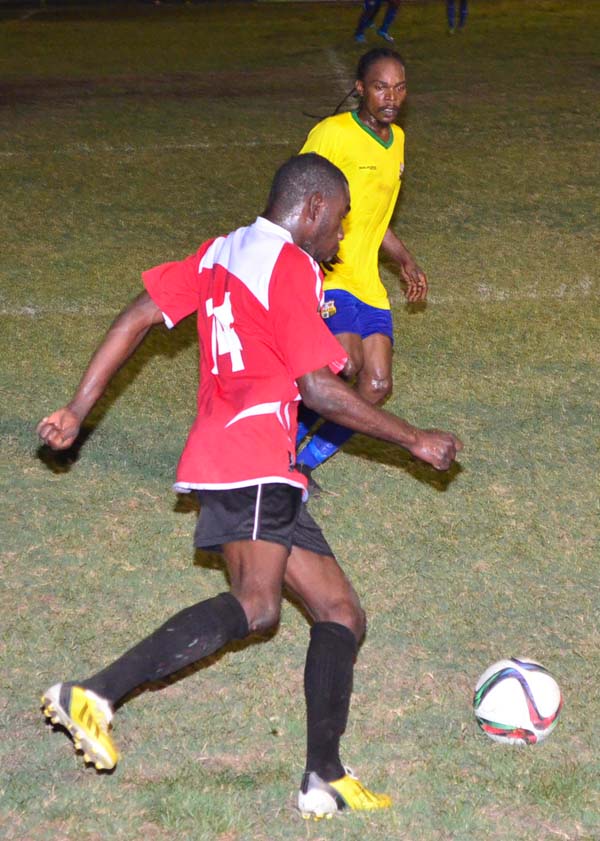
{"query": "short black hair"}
{"type": "Point", "coordinates": [300, 177]}
{"type": "Point", "coordinates": [370, 58]}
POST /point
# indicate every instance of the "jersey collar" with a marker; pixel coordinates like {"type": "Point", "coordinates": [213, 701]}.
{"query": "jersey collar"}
{"type": "Point", "coordinates": [269, 227]}
{"type": "Point", "coordinates": [371, 133]}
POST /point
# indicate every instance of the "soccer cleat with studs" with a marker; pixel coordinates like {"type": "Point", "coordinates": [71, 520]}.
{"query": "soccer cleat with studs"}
{"type": "Point", "coordinates": [318, 799]}
{"type": "Point", "coordinates": [87, 718]}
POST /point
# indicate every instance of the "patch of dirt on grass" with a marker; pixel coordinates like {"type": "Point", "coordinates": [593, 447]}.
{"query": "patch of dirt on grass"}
{"type": "Point", "coordinates": [224, 84]}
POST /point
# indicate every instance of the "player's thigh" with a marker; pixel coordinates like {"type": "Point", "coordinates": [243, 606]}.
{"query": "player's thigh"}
{"type": "Point", "coordinates": [254, 527]}
{"type": "Point", "coordinates": [324, 590]}
{"type": "Point", "coordinates": [256, 570]}
{"type": "Point", "coordinates": [375, 378]}
{"type": "Point", "coordinates": [255, 566]}
{"type": "Point", "coordinates": [353, 345]}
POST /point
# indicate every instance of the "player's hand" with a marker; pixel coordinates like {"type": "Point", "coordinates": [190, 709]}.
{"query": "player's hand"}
{"type": "Point", "coordinates": [415, 279]}
{"type": "Point", "coordinates": [60, 429]}
{"type": "Point", "coordinates": [436, 448]}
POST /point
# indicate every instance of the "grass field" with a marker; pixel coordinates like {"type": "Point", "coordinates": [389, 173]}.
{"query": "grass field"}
{"type": "Point", "coordinates": [129, 135]}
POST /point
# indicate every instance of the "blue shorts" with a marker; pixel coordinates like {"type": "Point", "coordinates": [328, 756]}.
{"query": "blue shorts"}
{"type": "Point", "coordinates": [353, 316]}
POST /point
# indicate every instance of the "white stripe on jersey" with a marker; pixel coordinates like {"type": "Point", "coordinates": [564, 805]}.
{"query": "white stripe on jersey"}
{"type": "Point", "coordinates": [259, 409]}
{"type": "Point", "coordinates": [187, 487]}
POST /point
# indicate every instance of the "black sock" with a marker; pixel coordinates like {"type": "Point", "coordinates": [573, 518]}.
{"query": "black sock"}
{"type": "Point", "coordinates": [327, 688]}
{"type": "Point", "coordinates": [185, 638]}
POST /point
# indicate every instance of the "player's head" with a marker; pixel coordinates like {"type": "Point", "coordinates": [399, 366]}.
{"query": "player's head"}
{"type": "Point", "coordinates": [302, 175]}
{"type": "Point", "coordinates": [309, 197]}
{"type": "Point", "coordinates": [368, 59]}
{"type": "Point", "coordinates": [381, 85]}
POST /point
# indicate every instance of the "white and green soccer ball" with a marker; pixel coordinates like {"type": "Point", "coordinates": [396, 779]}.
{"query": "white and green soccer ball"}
{"type": "Point", "coordinates": [517, 702]}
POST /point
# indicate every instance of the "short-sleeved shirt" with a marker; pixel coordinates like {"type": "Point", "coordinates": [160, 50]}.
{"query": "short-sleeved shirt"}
{"type": "Point", "coordinates": [374, 170]}
{"type": "Point", "coordinates": [257, 297]}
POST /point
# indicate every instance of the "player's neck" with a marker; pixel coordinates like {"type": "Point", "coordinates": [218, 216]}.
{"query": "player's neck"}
{"type": "Point", "coordinates": [382, 130]}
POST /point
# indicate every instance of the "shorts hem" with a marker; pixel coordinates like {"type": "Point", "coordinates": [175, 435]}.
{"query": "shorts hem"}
{"type": "Point", "coordinates": [219, 542]}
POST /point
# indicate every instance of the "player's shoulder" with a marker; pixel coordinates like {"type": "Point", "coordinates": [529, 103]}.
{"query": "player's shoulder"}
{"type": "Point", "coordinates": [340, 120]}
{"type": "Point", "coordinates": [207, 244]}
{"type": "Point", "coordinates": [334, 126]}
{"type": "Point", "coordinates": [292, 256]}
{"type": "Point", "coordinates": [398, 133]}
{"type": "Point", "coordinates": [295, 269]}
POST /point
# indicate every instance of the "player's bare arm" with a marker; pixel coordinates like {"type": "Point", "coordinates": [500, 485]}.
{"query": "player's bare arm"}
{"type": "Point", "coordinates": [60, 429]}
{"type": "Point", "coordinates": [412, 274]}
{"type": "Point", "coordinates": [329, 395]}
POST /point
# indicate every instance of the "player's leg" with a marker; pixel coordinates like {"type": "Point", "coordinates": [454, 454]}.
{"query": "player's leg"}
{"type": "Point", "coordinates": [85, 708]}
{"type": "Point", "coordinates": [370, 9]}
{"type": "Point", "coordinates": [331, 436]}
{"type": "Point", "coordinates": [307, 418]}
{"type": "Point", "coordinates": [256, 569]}
{"type": "Point", "coordinates": [451, 14]}
{"type": "Point", "coordinates": [371, 364]}
{"type": "Point", "coordinates": [318, 582]}
{"type": "Point", "coordinates": [464, 10]}
{"type": "Point", "coordinates": [389, 18]}
{"type": "Point", "coordinates": [339, 624]}
{"type": "Point", "coordinates": [341, 313]}
{"type": "Point", "coordinates": [374, 381]}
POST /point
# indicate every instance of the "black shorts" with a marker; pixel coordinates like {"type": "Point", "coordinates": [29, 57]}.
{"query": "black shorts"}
{"type": "Point", "coordinates": [273, 512]}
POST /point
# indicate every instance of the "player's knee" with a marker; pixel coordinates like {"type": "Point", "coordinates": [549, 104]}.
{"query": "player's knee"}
{"type": "Point", "coordinates": [377, 389]}
{"type": "Point", "coordinates": [360, 624]}
{"type": "Point", "coordinates": [263, 614]}
{"type": "Point", "coordinates": [353, 366]}
{"type": "Point", "coordinates": [350, 614]}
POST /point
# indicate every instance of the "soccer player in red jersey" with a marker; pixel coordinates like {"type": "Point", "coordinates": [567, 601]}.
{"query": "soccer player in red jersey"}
{"type": "Point", "coordinates": [254, 293]}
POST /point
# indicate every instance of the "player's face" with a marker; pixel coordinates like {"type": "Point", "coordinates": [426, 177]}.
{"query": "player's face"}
{"type": "Point", "coordinates": [382, 93]}
{"type": "Point", "coordinates": [329, 231]}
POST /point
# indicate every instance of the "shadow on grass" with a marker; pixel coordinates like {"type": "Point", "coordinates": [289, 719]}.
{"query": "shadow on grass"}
{"type": "Point", "coordinates": [60, 461]}
{"type": "Point", "coordinates": [387, 454]}
{"type": "Point", "coordinates": [215, 561]}
{"type": "Point", "coordinates": [159, 342]}
{"type": "Point", "coordinates": [60, 729]}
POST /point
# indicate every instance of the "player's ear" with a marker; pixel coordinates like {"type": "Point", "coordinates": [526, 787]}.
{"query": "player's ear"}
{"type": "Point", "coordinates": [359, 88]}
{"type": "Point", "coordinates": [314, 206]}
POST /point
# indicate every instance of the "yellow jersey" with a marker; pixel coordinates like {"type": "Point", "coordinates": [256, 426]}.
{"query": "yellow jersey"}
{"type": "Point", "coordinates": [374, 172]}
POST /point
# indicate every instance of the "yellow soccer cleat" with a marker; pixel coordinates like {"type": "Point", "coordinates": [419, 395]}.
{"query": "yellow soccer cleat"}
{"type": "Point", "coordinates": [318, 799]}
{"type": "Point", "coordinates": [87, 717]}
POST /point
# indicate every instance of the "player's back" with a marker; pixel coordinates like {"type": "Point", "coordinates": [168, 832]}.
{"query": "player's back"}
{"type": "Point", "coordinates": [240, 358]}
{"type": "Point", "coordinates": [245, 428]}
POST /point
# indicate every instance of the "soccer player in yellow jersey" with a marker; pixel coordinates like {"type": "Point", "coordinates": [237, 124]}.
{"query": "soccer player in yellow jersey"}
{"type": "Point", "coordinates": [369, 150]}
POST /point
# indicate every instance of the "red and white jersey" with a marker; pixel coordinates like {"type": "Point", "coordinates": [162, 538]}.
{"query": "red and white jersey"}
{"type": "Point", "coordinates": [257, 297]}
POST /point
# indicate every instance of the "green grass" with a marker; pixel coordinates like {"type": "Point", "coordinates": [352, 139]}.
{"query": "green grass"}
{"type": "Point", "coordinates": [129, 136]}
